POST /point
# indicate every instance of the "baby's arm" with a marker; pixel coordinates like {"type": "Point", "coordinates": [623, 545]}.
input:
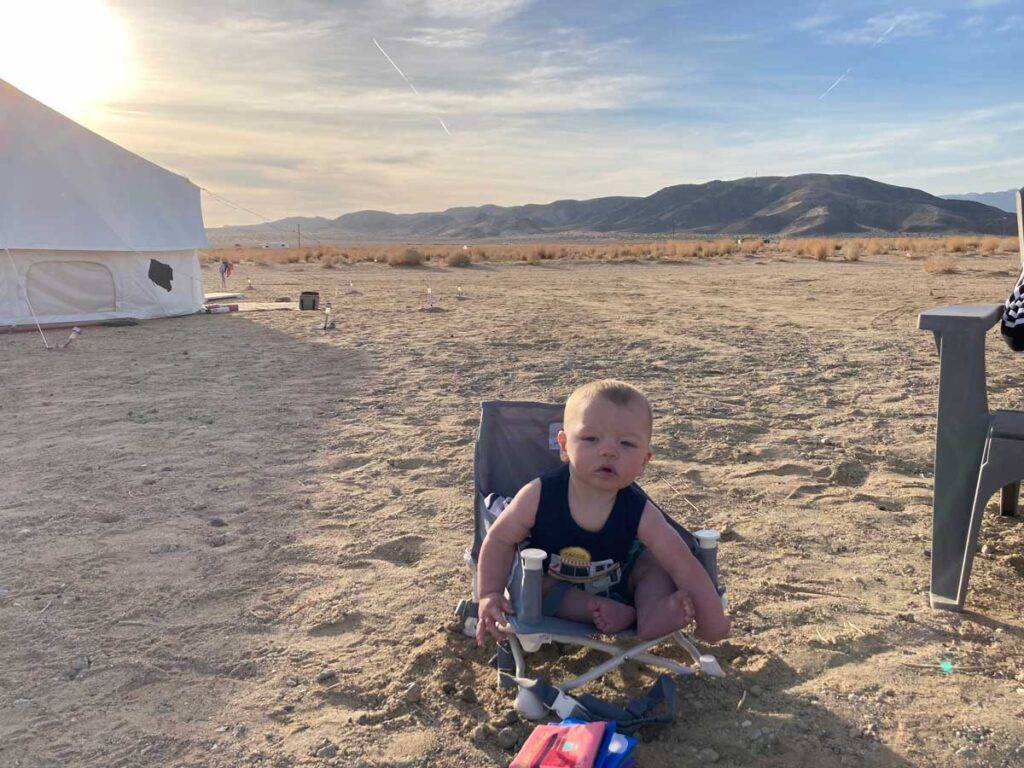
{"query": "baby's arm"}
{"type": "Point", "coordinates": [689, 575]}
{"type": "Point", "coordinates": [495, 560]}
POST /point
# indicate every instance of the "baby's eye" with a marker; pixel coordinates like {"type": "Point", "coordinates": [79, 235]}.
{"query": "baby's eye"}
{"type": "Point", "coordinates": [629, 444]}
{"type": "Point", "coordinates": [588, 439]}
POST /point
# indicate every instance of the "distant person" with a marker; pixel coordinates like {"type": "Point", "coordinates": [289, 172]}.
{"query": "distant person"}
{"type": "Point", "coordinates": [226, 268]}
{"type": "Point", "coordinates": [623, 561]}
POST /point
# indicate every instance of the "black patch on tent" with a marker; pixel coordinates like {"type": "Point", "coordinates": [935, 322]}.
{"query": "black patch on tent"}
{"type": "Point", "coordinates": [161, 274]}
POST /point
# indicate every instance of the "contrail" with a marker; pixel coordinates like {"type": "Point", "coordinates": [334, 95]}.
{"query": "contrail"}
{"type": "Point", "coordinates": [837, 82]}
{"type": "Point", "coordinates": [392, 61]}
{"type": "Point", "coordinates": [407, 80]}
{"type": "Point", "coordinates": [874, 45]}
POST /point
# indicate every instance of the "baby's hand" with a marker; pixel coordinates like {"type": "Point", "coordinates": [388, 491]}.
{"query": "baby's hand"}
{"type": "Point", "coordinates": [490, 612]}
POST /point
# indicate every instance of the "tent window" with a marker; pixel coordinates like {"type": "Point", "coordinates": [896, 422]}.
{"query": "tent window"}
{"type": "Point", "coordinates": [70, 287]}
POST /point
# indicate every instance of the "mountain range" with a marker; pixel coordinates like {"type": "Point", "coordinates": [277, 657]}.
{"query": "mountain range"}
{"type": "Point", "coordinates": [1006, 201]}
{"type": "Point", "coordinates": [806, 205]}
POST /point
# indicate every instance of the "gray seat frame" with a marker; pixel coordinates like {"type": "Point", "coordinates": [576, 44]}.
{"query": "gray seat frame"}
{"type": "Point", "coordinates": [976, 452]}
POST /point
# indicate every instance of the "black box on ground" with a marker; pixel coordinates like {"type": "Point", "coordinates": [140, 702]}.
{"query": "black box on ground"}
{"type": "Point", "coordinates": [309, 300]}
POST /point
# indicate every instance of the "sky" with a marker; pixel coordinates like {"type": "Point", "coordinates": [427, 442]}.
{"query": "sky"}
{"type": "Point", "coordinates": [322, 107]}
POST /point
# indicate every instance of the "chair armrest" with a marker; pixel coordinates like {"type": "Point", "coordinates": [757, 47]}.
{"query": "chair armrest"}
{"type": "Point", "coordinates": [960, 317]}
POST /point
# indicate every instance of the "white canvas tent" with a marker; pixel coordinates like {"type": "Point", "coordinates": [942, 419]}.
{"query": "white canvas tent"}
{"type": "Point", "coordinates": [88, 230]}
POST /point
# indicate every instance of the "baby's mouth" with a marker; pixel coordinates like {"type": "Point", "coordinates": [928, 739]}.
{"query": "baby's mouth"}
{"type": "Point", "coordinates": [607, 471]}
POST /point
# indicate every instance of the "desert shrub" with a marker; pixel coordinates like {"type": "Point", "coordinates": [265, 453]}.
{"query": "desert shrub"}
{"type": "Point", "coordinates": [1008, 244]}
{"type": "Point", "coordinates": [457, 259]}
{"type": "Point", "coordinates": [956, 244]}
{"type": "Point", "coordinates": [989, 245]}
{"type": "Point", "coordinates": [852, 251]}
{"type": "Point", "coordinates": [293, 258]}
{"type": "Point", "coordinates": [939, 264]}
{"type": "Point", "coordinates": [408, 257]}
{"type": "Point", "coordinates": [820, 249]}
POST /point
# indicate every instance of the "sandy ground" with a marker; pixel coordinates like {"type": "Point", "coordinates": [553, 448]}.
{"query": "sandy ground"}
{"type": "Point", "coordinates": [235, 539]}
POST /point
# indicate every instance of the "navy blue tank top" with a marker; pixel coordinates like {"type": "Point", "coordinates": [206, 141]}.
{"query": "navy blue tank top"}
{"type": "Point", "coordinates": [555, 530]}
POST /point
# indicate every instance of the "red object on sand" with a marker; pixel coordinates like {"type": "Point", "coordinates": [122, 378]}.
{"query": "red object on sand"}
{"type": "Point", "coordinates": [561, 746]}
{"type": "Point", "coordinates": [217, 309]}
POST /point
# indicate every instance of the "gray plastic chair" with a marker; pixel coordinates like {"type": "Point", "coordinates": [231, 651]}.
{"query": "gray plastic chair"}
{"type": "Point", "coordinates": [976, 452]}
{"type": "Point", "coordinates": [515, 444]}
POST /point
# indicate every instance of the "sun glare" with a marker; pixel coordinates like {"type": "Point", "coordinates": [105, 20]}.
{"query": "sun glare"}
{"type": "Point", "coordinates": [69, 54]}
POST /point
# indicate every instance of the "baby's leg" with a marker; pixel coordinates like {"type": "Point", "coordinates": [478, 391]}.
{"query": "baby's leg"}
{"type": "Point", "coordinates": [609, 616]}
{"type": "Point", "coordinates": [660, 608]}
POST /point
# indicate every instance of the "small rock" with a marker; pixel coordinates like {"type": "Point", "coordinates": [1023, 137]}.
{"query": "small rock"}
{"type": "Point", "coordinates": [907, 617]}
{"type": "Point", "coordinates": [327, 750]}
{"type": "Point", "coordinates": [291, 681]}
{"type": "Point", "coordinates": [448, 687]}
{"type": "Point", "coordinates": [480, 734]}
{"type": "Point", "coordinates": [326, 676]}
{"type": "Point", "coordinates": [966, 752]}
{"type": "Point", "coordinates": [746, 724]}
{"type": "Point", "coordinates": [756, 691]}
{"type": "Point", "coordinates": [511, 717]}
{"type": "Point", "coordinates": [468, 694]}
{"type": "Point", "coordinates": [78, 665]}
{"type": "Point", "coordinates": [507, 738]}
{"type": "Point", "coordinates": [987, 549]}
{"type": "Point", "coordinates": [217, 522]}
{"type": "Point", "coordinates": [707, 755]}
{"type": "Point", "coordinates": [413, 693]}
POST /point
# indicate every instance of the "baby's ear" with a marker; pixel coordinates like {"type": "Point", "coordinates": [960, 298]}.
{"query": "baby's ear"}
{"type": "Point", "coordinates": [562, 438]}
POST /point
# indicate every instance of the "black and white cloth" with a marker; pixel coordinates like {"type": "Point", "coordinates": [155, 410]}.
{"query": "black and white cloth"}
{"type": "Point", "coordinates": [1012, 325]}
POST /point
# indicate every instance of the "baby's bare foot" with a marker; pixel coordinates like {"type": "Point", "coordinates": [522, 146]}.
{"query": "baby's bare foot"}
{"type": "Point", "coordinates": [680, 606]}
{"type": "Point", "coordinates": [611, 616]}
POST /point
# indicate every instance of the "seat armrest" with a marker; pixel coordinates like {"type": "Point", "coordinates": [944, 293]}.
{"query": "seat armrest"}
{"type": "Point", "coordinates": [960, 317]}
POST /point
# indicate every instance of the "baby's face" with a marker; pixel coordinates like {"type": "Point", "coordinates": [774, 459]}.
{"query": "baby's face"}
{"type": "Point", "coordinates": [606, 444]}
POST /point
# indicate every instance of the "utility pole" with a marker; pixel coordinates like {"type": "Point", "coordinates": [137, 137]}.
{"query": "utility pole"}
{"type": "Point", "coordinates": [298, 228]}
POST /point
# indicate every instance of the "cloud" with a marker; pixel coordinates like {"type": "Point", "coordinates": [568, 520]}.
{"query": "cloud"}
{"type": "Point", "coordinates": [817, 21]}
{"type": "Point", "coordinates": [877, 29]}
{"type": "Point", "coordinates": [986, 3]}
{"type": "Point", "coordinates": [1011, 24]}
{"type": "Point", "coordinates": [440, 37]}
{"type": "Point", "coordinates": [484, 11]}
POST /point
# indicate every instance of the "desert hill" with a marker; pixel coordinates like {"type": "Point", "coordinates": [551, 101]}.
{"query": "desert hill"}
{"type": "Point", "coordinates": [808, 204]}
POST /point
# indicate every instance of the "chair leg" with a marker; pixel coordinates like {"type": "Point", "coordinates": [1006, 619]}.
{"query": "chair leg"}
{"type": "Point", "coordinates": [1009, 502]}
{"type": "Point", "coordinates": [1002, 466]}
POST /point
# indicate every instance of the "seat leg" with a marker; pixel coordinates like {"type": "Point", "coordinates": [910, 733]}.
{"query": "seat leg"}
{"type": "Point", "coordinates": [1009, 502]}
{"type": "Point", "coordinates": [1002, 466]}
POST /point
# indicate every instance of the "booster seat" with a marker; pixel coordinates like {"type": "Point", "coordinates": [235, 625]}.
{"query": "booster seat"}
{"type": "Point", "coordinates": [515, 444]}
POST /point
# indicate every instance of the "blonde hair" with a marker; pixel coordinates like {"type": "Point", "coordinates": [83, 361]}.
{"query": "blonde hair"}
{"type": "Point", "coordinates": [612, 390]}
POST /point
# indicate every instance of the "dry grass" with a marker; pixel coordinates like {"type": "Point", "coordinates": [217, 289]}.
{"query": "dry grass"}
{"type": "Point", "coordinates": [409, 257]}
{"type": "Point", "coordinates": [939, 264]}
{"type": "Point", "coordinates": [458, 259]}
{"type": "Point", "coordinates": [456, 255]}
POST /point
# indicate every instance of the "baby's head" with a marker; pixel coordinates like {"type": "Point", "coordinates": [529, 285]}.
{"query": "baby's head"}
{"type": "Point", "coordinates": [616, 392]}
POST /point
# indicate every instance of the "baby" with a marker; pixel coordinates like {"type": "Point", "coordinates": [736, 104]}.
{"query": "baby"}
{"type": "Point", "coordinates": [588, 513]}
